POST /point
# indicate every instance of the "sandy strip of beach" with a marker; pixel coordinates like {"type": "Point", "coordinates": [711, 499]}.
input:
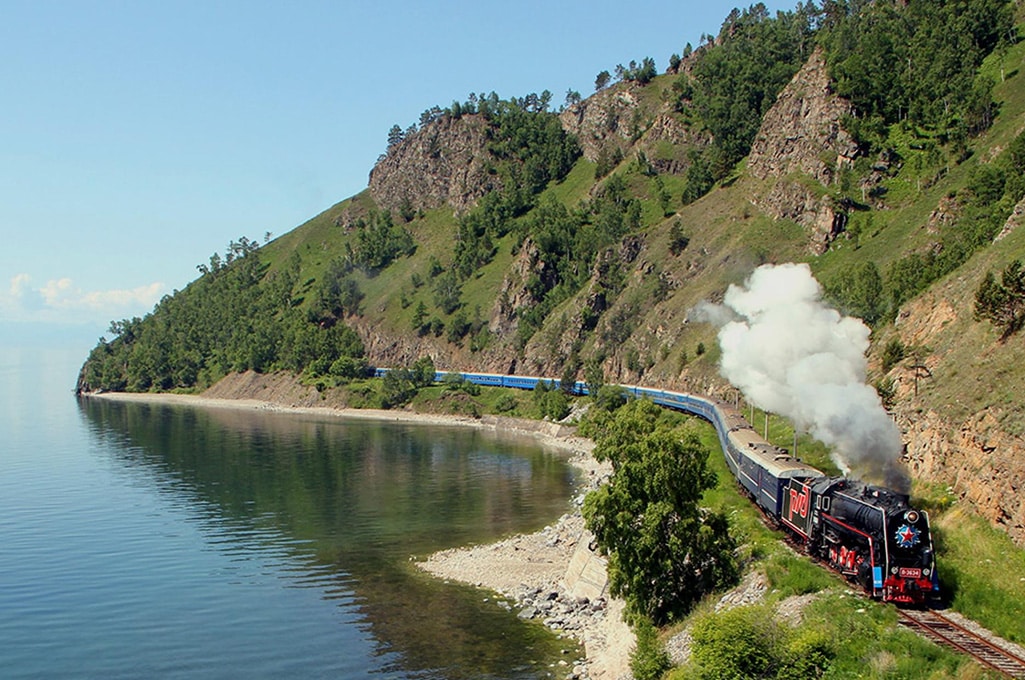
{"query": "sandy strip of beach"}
{"type": "Point", "coordinates": [518, 567]}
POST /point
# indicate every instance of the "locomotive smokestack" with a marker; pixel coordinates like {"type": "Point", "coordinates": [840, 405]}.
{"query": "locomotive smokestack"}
{"type": "Point", "coordinates": [790, 353]}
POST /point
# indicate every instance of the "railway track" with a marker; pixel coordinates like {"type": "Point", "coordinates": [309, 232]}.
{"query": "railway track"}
{"type": "Point", "coordinates": [943, 631]}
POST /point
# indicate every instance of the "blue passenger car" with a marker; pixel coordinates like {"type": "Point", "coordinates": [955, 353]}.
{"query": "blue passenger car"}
{"type": "Point", "coordinates": [764, 470]}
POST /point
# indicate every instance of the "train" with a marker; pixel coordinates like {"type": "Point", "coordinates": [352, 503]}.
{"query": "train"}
{"type": "Point", "coordinates": [869, 534]}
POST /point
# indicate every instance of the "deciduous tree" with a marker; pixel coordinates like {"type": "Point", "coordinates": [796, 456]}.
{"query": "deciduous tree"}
{"type": "Point", "coordinates": [665, 552]}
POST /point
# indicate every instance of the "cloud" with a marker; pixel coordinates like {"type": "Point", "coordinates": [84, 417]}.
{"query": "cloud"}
{"type": "Point", "coordinates": [22, 295]}
{"type": "Point", "coordinates": [61, 298]}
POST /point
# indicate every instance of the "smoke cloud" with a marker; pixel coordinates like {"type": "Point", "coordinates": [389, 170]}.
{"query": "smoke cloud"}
{"type": "Point", "coordinates": [791, 354]}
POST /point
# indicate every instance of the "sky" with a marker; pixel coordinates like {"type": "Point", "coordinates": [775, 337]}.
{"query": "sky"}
{"type": "Point", "coordinates": [137, 138]}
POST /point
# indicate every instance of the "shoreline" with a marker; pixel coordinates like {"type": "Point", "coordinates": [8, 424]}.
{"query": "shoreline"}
{"type": "Point", "coordinates": [528, 569]}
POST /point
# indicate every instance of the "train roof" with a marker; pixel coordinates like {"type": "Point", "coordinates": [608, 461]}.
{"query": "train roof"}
{"type": "Point", "coordinates": [732, 418]}
{"type": "Point", "coordinates": [775, 460]}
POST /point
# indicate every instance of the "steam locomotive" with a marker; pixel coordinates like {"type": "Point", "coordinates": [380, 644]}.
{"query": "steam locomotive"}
{"type": "Point", "coordinates": [869, 534]}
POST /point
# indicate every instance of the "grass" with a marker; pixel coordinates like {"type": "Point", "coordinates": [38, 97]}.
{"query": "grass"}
{"type": "Point", "coordinates": [983, 571]}
{"type": "Point", "coordinates": [576, 185]}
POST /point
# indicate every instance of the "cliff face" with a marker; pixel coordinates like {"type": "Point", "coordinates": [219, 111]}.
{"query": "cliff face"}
{"type": "Point", "coordinates": [515, 295]}
{"type": "Point", "coordinates": [619, 120]}
{"type": "Point", "coordinates": [968, 450]}
{"type": "Point", "coordinates": [800, 139]}
{"type": "Point", "coordinates": [983, 465]}
{"type": "Point", "coordinates": [802, 132]}
{"type": "Point", "coordinates": [603, 121]}
{"type": "Point", "coordinates": [446, 162]}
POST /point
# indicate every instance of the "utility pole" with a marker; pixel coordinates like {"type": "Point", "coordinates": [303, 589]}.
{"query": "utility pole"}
{"type": "Point", "coordinates": [919, 370]}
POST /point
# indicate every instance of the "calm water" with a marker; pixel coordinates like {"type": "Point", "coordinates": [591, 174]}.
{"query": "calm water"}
{"type": "Point", "coordinates": [144, 541]}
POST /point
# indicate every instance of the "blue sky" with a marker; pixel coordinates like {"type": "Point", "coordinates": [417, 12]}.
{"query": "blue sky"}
{"type": "Point", "coordinates": [137, 138]}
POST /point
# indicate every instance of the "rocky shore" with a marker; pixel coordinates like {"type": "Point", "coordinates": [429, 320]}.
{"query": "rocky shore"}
{"type": "Point", "coordinates": [529, 571]}
{"type": "Point", "coordinates": [532, 572]}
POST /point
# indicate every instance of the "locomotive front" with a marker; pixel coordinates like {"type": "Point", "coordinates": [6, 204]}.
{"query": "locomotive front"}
{"type": "Point", "coordinates": [911, 563]}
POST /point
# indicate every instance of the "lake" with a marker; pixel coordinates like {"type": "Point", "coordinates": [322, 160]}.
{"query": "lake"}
{"type": "Point", "coordinates": [139, 540]}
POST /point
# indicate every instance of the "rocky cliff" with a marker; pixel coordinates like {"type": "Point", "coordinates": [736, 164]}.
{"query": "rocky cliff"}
{"type": "Point", "coordinates": [971, 451]}
{"type": "Point", "coordinates": [983, 465]}
{"type": "Point", "coordinates": [621, 120]}
{"type": "Point", "coordinates": [444, 163]}
{"type": "Point", "coordinates": [801, 139]}
{"type": "Point", "coordinates": [603, 121]}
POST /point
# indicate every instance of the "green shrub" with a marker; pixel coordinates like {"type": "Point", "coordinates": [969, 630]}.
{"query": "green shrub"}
{"type": "Point", "coordinates": [550, 402]}
{"type": "Point", "coordinates": [739, 643]}
{"type": "Point", "coordinates": [649, 660]}
{"type": "Point", "coordinates": [750, 642]}
{"type": "Point", "coordinates": [893, 354]}
{"type": "Point", "coordinates": [505, 403]}
{"type": "Point", "coordinates": [610, 397]}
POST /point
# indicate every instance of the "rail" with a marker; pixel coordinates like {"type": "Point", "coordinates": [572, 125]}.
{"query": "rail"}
{"type": "Point", "coordinates": [942, 630]}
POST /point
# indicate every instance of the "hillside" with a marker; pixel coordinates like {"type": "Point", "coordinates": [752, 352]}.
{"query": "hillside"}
{"type": "Point", "coordinates": [498, 235]}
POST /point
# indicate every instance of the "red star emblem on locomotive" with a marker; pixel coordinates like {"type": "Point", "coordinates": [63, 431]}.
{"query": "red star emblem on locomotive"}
{"type": "Point", "coordinates": [907, 536]}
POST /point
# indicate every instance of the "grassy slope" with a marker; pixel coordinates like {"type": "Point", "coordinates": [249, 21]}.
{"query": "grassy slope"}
{"type": "Point", "coordinates": [728, 238]}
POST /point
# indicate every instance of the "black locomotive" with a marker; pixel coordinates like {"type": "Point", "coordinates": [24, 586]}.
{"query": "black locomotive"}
{"type": "Point", "coordinates": [867, 533]}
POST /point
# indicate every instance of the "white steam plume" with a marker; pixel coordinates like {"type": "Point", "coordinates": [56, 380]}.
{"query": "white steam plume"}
{"type": "Point", "coordinates": [791, 354]}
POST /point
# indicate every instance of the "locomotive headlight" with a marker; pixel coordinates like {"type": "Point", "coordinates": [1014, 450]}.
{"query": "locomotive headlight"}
{"type": "Point", "coordinates": [926, 572]}
{"type": "Point", "coordinates": [894, 570]}
{"type": "Point", "coordinates": [911, 516]}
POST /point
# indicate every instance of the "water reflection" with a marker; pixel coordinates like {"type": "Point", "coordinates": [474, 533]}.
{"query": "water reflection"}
{"type": "Point", "coordinates": [343, 505]}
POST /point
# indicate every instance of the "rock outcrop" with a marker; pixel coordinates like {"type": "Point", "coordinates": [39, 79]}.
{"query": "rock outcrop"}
{"type": "Point", "coordinates": [603, 121]}
{"type": "Point", "coordinates": [1013, 222]}
{"type": "Point", "coordinates": [516, 294]}
{"type": "Point", "coordinates": [983, 465]}
{"type": "Point", "coordinates": [802, 132]}
{"type": "Point", "coordinates": [445, 162]}
{"type": "Point", "coordinates": [616, 121]}
{"type": "Point", "coordinates": [801, 138]}
{"type": "Point", "coordinates": [972, 454]}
